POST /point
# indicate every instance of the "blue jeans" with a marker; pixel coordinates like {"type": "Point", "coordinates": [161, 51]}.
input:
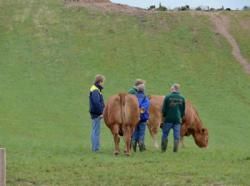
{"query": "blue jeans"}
{"type": "Point", "coordinates": [166, 128]}
{"type": "Point", "coordinates": [139, 132]}
{"type": "Point", "coordinates": [95, 136]}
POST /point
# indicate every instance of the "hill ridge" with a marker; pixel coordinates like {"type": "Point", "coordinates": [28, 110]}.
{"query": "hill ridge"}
{"type": "Point", "coordinates": [106, 6]}
{"type": "Point", "coordinates": [220, 22]}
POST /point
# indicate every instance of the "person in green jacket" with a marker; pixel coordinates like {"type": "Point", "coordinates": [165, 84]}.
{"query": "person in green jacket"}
{"type": "Point", "coordinates": [173, 111]}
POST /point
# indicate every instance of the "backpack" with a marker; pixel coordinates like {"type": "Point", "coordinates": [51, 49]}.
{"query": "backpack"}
{"type": "Point", "coordinates": [144, 107]}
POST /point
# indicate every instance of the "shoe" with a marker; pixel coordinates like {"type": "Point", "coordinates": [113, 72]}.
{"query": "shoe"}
{"type": "Point", "coordinates": [164, 145]}
{"type": "Point", "coordinates": [176, 145]}
{"type": "Point", "coordinates": [142, 147]}
{"type": "Point", "coordinates": [134, 145]}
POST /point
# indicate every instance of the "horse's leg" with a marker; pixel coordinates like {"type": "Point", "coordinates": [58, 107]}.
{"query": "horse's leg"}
{"type": "Point", "coordinates": [127, 136]}
{"type": "Point", "coordinates": [154, 136]}
{"type": "Point", "coordinates": [184, 130]}
{"type": "Point", "coordinates": [115, 132]}
{"type": "Point", "coordinates": [182, 142]}
{"type": "Point", "coordinates": [153, 132]}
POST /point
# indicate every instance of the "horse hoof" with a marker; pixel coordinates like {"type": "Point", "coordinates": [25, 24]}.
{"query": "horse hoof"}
{"type": "Point", "coordinates": [116, 153]}
{"type": "Point", "coordinates": [156, 146]}
{"type": "Point", "coordinates": [127, 154]}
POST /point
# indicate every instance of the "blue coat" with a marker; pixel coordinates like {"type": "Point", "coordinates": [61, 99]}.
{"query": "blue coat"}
{"type": "Point", "coordinates": [144, 106]}
{"type": "Point", "coordinates": [96, 102]}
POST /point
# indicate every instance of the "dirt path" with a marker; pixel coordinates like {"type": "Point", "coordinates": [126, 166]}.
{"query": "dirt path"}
{"type": "Point", "coordinates": [222, 26]}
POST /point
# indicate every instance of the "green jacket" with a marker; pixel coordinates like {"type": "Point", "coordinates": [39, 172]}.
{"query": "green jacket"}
{"type": "Point", "coordinates": [133, 90]}
{"type": "Point", "coordinates": [173, 109]}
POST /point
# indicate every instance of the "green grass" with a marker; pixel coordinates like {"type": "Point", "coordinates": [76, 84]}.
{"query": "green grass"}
{"type": "Point", "coordinates": [49, 56]}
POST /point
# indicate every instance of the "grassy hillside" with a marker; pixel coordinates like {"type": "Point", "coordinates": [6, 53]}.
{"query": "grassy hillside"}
{"type": "Point", "coordinates": [240, 28]}
{"type": "Point", "coordinates": [49, 55]}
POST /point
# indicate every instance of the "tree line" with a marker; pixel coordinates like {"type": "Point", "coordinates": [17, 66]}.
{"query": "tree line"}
{"type": "Point", "coordinates": [187, 7]}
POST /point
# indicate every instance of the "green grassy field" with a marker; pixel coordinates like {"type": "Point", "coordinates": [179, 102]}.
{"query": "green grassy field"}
{"type": "Point", "coordinates": [49, 55]}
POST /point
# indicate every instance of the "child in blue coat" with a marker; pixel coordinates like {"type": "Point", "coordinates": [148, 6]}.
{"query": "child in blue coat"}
{"type": "Point", "coordinates": [139, 133]}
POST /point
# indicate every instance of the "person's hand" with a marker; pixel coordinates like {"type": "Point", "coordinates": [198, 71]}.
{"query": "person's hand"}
{"type": "Point", "coordinates": [142, 110]}
{"type": "Point", "coordinates": [101, 116]}
{"type": "Point", "coordinates": [161, 125]}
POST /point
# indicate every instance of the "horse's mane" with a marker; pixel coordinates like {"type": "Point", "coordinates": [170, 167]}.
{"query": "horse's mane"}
{"type": "Point", "coordinates": [197, 117]}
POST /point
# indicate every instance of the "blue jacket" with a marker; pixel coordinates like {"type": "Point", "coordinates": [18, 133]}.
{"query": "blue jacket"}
{"type": "Point", "coordinates": [144, 106]}
{"type": "Point", "coordinates": [96, 102]}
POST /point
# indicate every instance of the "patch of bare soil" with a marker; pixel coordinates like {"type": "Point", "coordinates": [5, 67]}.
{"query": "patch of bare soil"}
{"type": "Point", "coordinates": [221, 23]}
{"type": "Point", "coordinates": [245, 24]}
{"type": "Point", "coordinates": [106, 6]}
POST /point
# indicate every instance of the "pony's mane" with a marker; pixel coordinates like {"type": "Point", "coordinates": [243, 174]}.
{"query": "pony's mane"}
{"type": "Point", "coordinates": [197, 117]}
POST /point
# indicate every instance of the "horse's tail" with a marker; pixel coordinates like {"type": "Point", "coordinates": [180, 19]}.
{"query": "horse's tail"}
{"type": "Point", "coordinates": [123, 111]}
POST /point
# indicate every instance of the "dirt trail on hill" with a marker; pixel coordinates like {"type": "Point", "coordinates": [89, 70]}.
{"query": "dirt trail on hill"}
{"type": "Point", "coordinates": [222, 26]}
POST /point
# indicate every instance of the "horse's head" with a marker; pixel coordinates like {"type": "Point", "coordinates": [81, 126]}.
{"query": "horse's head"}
{"type": "Point", "coordinates": [201, 137]}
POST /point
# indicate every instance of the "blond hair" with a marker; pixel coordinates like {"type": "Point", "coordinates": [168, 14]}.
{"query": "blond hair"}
{"type": "Point", "coordinates": [175, 87]}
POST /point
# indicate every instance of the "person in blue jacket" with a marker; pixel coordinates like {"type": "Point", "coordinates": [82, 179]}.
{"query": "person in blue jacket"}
{"type": "Point", "coordinates": [139, 133]}
{"type": "Point", "coordinates": [96, 106]}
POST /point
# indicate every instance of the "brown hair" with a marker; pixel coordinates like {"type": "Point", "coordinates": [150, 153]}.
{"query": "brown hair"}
{"type": "Point", "coordinates": [99, 78]}
{"type": "Point", "coordinates": [139, 82]}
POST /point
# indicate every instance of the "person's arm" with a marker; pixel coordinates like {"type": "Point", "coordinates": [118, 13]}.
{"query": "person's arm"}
{"type": "Point", "coordinates": [163, 112]}
{"type": "Point", "coordinates": [183, 108]}
{"type": "Point", "coordinates": [132, 91]}
{"type": "Point", "coordinates": [145, 104]}
{"type": "Point", "coordinates": [164, 108]}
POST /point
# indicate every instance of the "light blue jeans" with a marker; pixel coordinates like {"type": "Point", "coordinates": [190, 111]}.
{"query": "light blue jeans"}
{"type": "Point", "coordinates": [166, 128]}
{"type": "Point", "coordinates": [95, 136]}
